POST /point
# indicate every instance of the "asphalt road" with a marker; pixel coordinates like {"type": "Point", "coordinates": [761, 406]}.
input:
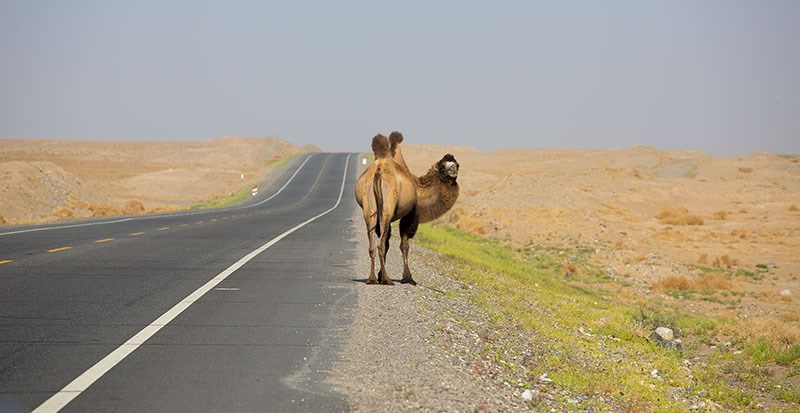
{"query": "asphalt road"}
{"type": "Point", "coordinates": [217, 310]}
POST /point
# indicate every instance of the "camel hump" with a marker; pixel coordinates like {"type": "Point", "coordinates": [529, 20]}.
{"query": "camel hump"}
{"type": "Point", "coordinates": [380, 146]}
{"type": "Point", "coordinates": [395, 138]}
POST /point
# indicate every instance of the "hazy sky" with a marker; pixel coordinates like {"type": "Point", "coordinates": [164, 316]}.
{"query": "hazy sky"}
{"type": "Point", "coordinates": [719, 76]}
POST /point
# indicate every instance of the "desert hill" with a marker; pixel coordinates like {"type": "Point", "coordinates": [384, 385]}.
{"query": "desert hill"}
{"type": "Point", "coordinates": [46, 180]}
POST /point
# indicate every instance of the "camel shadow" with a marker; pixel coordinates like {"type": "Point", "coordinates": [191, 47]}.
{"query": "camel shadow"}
{"type": "Point", "coordinates": [364, 280]}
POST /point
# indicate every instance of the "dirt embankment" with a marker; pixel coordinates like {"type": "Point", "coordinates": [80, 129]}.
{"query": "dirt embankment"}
{"type": "Point", "coordinates": [48, 180]}
{"type": "Point", "coordinates": [661, 220]}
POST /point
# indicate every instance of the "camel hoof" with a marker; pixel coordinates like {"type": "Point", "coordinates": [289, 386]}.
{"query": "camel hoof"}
{"type": "Point", "coordinates": [408, 281]}
{"type": "Point", "coordinates": [387, 282]}
{"type": "Point", "coordinates": [372, 281]}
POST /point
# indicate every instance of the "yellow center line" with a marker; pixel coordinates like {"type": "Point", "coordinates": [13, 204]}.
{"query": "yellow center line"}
{"type": "Point", "coordinates": [199, 222]}
{"type": "Point", "coordinates": [213, 220]}
{"type": "Point", "coordinates": [104, 240]}
{"type": "Point", "coordinates": [136, 234]}
{"type": "Point", "coordinates": [59, 249]}
{"type": "Point", "coordinates": [5, 261]}
{"type": "Point", "coordinates": [163, 228]}
{"type": "Point", "coordinates": [183, 225]}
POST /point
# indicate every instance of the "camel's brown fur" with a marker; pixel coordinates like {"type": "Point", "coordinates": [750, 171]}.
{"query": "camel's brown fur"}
{"type": "Point", "coordinates": [387, 191]}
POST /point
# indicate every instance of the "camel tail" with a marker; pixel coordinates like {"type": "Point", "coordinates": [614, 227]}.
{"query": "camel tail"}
{"type": "Point", "coordinates": [380, 146]}
{"type": "Point", "coordinates": [376, 188]}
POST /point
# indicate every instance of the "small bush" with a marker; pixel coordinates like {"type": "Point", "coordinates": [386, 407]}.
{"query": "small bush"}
{"type": "Point", "coordinates": [712, 281]}
{"type": "Point", "coordinates": [725, 261]}
{"type": "Point", "coordinates": [720, 215]}
{"type": "Point", "coordinates": [739, 233]}
{"type": "Point", "coordinates": [673, 282]}
{"type": "Point", "coordinates": [746, 170]}
{"type": "Point", "coordinates": [793, 208]}
{"type": "Point", "coordinates": [569, 270]}
{"type": "Point", "coordinates": [678, 216]}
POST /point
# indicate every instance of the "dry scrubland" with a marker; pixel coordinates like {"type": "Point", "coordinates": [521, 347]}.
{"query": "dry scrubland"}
{"type": "Point", "coordinates": [48, 180]}
{"type": "Point", "coordinates": [672, 233]}
{"type": "Point", "coordinates": [669, 223]}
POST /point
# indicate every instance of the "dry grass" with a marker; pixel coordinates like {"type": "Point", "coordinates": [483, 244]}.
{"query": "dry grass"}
{"type": "Point", "coordinates": [669, 234]}
{"type": "Point", "coordinates": [678, 216]}
{"type": "Point", "coordinates": [725, 261]}
{"type": "Point", "coordinates": [720, 215]}
{"type": "Point", "coordinates": [706, 282]}
{"type": "Point", "coordinates": [778, 332]}
{"type": "Point", "coordinates": [793, 208]}
{"type": "Point", "coordinates": [746, 170]}
{"type": "Point", "coordinates": [741, 234]}
{"type": "Point", "coordinates": [673, 282]}
{"type": "Point", "coordinates": [466, 222]}
{"type": "Point", "coordinates": [569, 270]}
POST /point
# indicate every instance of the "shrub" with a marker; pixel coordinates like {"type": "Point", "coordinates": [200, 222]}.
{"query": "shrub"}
{"type": "Point", "coordinates": [725, 261]}
{"type": "Point", "coordinates": [707, 282]}
{"type": "Point", "coordinates": [678, 216]}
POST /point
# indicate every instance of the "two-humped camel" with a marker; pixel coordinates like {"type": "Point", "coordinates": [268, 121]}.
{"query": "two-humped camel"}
{"type": "Point", "coordinates": [387, 191]}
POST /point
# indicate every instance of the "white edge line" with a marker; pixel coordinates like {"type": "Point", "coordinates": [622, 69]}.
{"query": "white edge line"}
{"type": "Point", "coordinates": [72, 390]}
{"type": "Point", "coordinates": [160, 215]}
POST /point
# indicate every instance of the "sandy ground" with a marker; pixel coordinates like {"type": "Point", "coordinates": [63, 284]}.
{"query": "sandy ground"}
{"type": "Point", "coordinates": [649, 215]}
{"type": "Point", "coordinates": [48, 180]}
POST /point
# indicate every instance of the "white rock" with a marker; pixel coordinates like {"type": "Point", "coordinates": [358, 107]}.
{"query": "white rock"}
{"type": "Point", "coordinates": [665, 333]}
{"type": "Point", "coordinates": [527, 395]}
{"type": "Point", "coordinates": [545, 379]}
{"type": "Point", "coordinates": [786, 293]}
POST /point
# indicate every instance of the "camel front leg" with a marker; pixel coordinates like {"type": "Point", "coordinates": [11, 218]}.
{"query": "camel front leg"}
{"type": "Point", "coordinates": [407, 279]}
{"type": "Point", "coordinates": [408, 228]}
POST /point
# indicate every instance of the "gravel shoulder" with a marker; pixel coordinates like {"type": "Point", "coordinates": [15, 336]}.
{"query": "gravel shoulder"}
{"type": "Point", "coordinates": [408, 346]}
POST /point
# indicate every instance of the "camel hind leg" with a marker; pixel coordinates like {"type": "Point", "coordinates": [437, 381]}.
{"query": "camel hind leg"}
{"type": "Point", "coordinates": [383, 275]}
{"type": "Point", "coordinates": [371, 235]}
{"type": "Point", "coordinates": [408, 228]}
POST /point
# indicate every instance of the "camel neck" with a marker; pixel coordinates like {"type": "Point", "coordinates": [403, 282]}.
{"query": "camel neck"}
{"type": "Point", "coordinates": [434, 197]}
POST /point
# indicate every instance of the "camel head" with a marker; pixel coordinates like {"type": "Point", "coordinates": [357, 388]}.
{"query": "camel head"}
{"type": "Point", "coordinates": [448, 169]}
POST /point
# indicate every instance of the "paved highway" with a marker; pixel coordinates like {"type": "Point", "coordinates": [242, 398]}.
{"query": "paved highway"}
{"type": "Point", "coordinates": [234, 309]}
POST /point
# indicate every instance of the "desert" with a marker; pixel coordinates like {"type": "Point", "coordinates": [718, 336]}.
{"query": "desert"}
{"type": "Point", "coordinates": [48, 180]}
{"type": "Point", "coordinates": [673, 230]}
{"type": "Point", "coordinates": [659, 219]}
{"type": "Point", "coordinates": [655, 219]}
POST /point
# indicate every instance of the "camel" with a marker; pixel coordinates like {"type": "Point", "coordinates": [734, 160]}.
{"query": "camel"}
{"type": "Point", "coordinates": [387, 191]}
